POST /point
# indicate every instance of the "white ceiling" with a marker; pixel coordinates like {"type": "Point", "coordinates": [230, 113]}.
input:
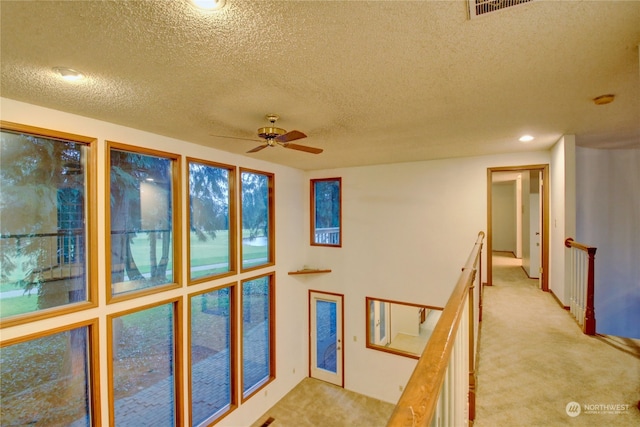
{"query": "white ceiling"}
{"type": "Point", "coordinates": [369, 82]}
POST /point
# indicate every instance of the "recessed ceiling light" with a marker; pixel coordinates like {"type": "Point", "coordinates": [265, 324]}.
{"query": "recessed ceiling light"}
{"type": "Point", "coordinates": [69, 74]}
{"type": "Point", "coordinates": [526, 138]}
{"type": "Point", "coordinates": [208, 4]}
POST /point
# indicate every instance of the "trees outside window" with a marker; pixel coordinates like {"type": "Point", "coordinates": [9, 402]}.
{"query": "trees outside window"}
{"type": "Point", "coordinates": [326, 212]}
{"type": "Point", "coordinates": [212, 236]}
{"type": "Point", "coordinates": [257, 213]}
{"type": "Point", "coordinates": [144, 243]}
{"type": "Point", "coordinates": [45, 228]}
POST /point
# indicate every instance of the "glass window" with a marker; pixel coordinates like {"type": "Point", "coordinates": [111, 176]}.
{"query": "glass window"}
{"type": "Point", "coordinates": [44, 222]}
{"type": "Point", "coordinates": [142, 218]}
{"type": "Point", "coordinates": [48, 380]}
{"type": "Point", "coordinates": [326, 212]}
{"type": "Point", "coordinates": [257, 219]}
{"type": "Point", "coordinates": [212, 349]}
{"type": "Point", "coordinates": [258, 353]}
{"type": "Point", "coordinates": [211, 219]}
{"type": "Point", "coordinates": [143, 367]}
{"type": "Point", "coordinates": [400, 327]}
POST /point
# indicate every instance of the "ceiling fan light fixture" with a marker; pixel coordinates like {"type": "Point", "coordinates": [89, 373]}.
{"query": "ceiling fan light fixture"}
{"type": "Point", "coordinates": [208, 5]}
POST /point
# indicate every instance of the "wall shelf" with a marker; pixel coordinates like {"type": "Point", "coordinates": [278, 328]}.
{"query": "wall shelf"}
{"type": "Point", "coordinates": [309, 271]}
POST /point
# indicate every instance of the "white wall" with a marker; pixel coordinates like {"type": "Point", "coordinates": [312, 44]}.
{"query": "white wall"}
{"type": "Point", "coordinates": [407, 231]}
{"type": "Point", "coordinates": [608, 217]}
{"type": "Point", "coordinates": [562, 213]}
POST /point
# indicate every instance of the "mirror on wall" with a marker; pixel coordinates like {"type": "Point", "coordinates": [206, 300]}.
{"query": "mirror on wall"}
{"type": "Point", "coordinates": [400, 327]}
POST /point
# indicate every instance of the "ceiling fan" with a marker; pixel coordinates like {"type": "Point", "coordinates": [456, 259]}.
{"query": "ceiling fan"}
{"type": "Point", "coordinates": [277, 136]}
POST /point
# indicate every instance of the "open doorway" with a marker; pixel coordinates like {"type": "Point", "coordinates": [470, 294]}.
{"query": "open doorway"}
{"type": "Point", "coordinates": [526, 225]}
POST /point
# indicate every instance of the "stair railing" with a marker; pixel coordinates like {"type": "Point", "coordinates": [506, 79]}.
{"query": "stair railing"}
{"type": "Point", "coordinates": [441, 390]}
{"type": "Point", "coordinates": [582, 284]}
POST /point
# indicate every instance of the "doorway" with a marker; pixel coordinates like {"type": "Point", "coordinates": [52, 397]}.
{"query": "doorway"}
{"type": "Point", "coordinates": [536, 178]}
{"type": "Point", "coordinates": [326, 349]}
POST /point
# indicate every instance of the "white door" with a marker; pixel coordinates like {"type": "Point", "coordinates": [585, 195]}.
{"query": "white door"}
{"type": "Point", "coordinates": [379, 312]}
{"type": "Point", "coordinates": [326, 342]}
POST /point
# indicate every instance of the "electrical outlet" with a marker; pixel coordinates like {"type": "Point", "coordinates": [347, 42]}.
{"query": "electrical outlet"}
{"type": "Point", "coordinates": [355, 338]}
{"type": "Point", "coordinates": [401, 387]}
{"type": "Point", "coordinates": [294, 370]}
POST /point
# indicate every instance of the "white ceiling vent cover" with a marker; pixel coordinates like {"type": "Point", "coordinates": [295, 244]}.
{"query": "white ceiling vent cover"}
{"type": "Point", "coordinates": [482, 7]}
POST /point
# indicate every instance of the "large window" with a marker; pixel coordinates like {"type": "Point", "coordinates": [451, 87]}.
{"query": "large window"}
{"type": "Point", "coordinates": [50, 379]}
{"type": "Point", "coordinates": [45, 228]}
{"type": "Point", "coordinates": [258, 228]}
{"type": "Point", "coordinates": [258, 325]}
{"type": "Point", "coordinates": [144, 239]}
{"type": "Point", "coordinates": [211, 220]}
{"type": "Point", "coordinates": [326, 212]}
{"type": "Point", "coordinates": [212, 350]}
{"type": "Point", "coordinates": [144, 369]}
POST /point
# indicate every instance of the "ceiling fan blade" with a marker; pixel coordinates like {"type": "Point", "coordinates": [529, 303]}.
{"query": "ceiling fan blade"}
{"type": "Point", "coordinates": [290, 136]}
{"type": "Point", "coordinates": [258, 148]}
{"type": "Point", "coordinates": [303, 148]}
{"type": "Point", "coordinates": [235, 137]}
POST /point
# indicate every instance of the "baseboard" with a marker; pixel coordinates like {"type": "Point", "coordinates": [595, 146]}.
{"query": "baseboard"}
{"type": "Point", "coordinates": [566, 307]}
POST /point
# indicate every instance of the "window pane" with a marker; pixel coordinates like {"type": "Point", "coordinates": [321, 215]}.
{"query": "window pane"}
{"type": "Point", "coordinates": [210, 229]}
{"type": "Point", "coordinates": [211, 353]}
{"type": "Point", "coordinates": [141, 227]}
{"type": "Point", "coordinates": [45, 381]}
{"type": "Point", "coordinates": [256, 333]}
{"type": "Point", "coordinates": [256, 218]}
{"type": "Point", "coordinates": [42, 223]}
{"type": "Point", "coordinates": [326, 327]}
{"type": "Point", "coordinates": [143, 367]}
{"type": "Point", "coordinates": [326, 212]}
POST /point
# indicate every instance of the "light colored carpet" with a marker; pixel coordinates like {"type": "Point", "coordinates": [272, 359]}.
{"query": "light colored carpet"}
{"type": "Point", "coordinates": [534, 361]}
{"type": "Point", "coordinates": [315, 403]}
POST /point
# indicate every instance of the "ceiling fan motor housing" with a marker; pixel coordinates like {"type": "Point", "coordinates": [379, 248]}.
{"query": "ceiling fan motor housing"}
{"type": "Point", "coordinates": [270, 132]}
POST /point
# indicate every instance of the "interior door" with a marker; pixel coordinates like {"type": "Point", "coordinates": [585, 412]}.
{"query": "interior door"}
{"type": "Point", "coordinates": [326, 337]}
{"type": "Point", "coordinates": [379, 313]}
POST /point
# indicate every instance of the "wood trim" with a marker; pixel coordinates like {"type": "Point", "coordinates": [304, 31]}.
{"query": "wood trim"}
{"type": "Point", "coordinates": [176, 220]}
{"type": "Point", "coordinates": [272, 337]}
{"type": "Point", "coordinates": [417, 404]}
{"type": "Point", "coordinates": [313, 210]}
{"type": "Point", "coordinates": [271, 209]}
{"type": "Point", "coordinates": [545, 218]}
{"type": "Point", "coordinates": [233, 340]}
{"type": "Point", "coordinates": [232, 223]}
{"type": "Point", "coordinates": [91, 226]}
{"type": "Point", "coordinates": [555, 297]}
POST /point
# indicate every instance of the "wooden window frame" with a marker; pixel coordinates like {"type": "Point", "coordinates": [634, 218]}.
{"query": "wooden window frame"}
{"type": "Point", "coordinates": [176, 220]}
{"type": "Point", "coordinates": [272, 338]}
{"type": "Point", "coordinates": [178, 390]}
{"type": "Point", "coordinates": [312, 212]}
{"type": "Point", "coordinates": [233, 237]}
{"type": "Point", "coordinates": [93, 359]}
{"type": "Point", "coordinates": [233, 353]}
{"type": "Point", "coordinates": [271, 252]}
{"type": "Point", "coordinates": [91, 218]}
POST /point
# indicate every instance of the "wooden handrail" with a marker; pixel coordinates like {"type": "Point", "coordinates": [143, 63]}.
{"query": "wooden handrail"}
{"type": "Point", "coordinates": [417, 404]}
{"type": "Point", "coordinates": [590, 311]}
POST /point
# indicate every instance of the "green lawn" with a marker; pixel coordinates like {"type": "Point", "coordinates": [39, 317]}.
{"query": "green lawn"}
{"type": "Point", "coordinates": [211, 252]}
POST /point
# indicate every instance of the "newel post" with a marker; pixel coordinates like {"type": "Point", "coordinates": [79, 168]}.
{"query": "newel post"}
{"type": "Point", "coordinates": [590, 311]}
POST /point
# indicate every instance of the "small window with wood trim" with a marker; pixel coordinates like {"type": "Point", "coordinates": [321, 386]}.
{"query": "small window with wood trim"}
{"type": "Point", "coordinates": [326, 212]}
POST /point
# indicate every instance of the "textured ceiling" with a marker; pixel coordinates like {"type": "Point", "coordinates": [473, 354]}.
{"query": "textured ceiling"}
{"type": "Point", "coordinates": [368, 82]}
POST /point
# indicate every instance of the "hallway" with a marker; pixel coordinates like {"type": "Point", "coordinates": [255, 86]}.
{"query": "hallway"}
{"type": "Point", "coordinates": [535, 362]}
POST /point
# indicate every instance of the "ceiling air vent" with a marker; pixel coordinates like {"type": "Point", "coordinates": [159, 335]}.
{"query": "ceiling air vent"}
{"type": "Point", "coordinates": [482, 7]}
